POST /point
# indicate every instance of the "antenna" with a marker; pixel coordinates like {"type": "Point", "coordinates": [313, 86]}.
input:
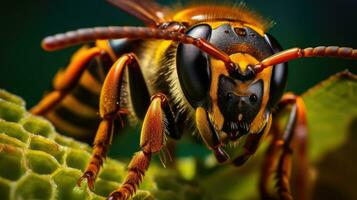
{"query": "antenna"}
{"type": "Point", "coordinates": [295, 53]}
{"type": "Point", "coordinates": [62, 40]}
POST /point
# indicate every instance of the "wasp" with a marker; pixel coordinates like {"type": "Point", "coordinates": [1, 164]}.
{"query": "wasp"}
{"type": "Point", "coordinates": [208, 69]}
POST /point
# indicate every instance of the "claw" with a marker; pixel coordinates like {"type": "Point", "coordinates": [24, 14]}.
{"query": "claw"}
{"type": "Point", "coordinates": [90, 180]}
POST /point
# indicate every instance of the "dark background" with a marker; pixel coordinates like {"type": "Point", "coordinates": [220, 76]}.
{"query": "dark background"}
{"type": "Point", "coordinates": [27, 70]}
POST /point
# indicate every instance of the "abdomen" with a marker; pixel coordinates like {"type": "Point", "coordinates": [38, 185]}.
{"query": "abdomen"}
{"type": "Point", "coordinates": [77, 114]}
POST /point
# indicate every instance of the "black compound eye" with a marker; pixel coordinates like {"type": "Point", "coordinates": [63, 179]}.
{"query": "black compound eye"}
{"type": "Point", "coordinates": [279, 75]}
{"type": "Point", "coordinates": [253, 98]}
{"type": "Point", "coordinates": [193, 68]}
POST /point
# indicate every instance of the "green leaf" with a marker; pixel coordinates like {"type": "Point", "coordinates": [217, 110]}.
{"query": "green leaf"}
{"type": "Point", "coordinates": [332, 117]}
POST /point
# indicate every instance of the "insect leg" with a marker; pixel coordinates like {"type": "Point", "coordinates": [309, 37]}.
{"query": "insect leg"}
{"type": "Point", "coordinates": [109, 110]}
{"type": "Point", "coordinates": [151, 141]}
{"type": "Point", "coordinates": [67, 80]}
{"type": "Point", "coordinates": [101, 145]}
{"type": "Point", "coordinates": [250, 147]}
{"type": "Point", "coordinates": [269, 162]}
{"type": "Point", "coordinates": [296, 127]}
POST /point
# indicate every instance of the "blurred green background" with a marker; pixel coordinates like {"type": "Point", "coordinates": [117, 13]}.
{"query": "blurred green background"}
{"type": "Point", "coordinates": [27, 70]}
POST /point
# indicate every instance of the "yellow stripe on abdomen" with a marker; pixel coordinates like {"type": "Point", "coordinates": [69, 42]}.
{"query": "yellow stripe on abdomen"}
{"type": "Point", "coordinates": [78, 107]}
{"type": "Point", "coordinates": [90, 83]}
{"type": "Point", "coordinates": [68, 128]}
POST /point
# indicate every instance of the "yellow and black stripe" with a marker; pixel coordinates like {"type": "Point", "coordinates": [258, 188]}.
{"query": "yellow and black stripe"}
{"type": "Point", "coordinates": [77, 114]}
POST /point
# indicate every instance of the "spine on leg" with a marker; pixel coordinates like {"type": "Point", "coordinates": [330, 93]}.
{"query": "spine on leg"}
{"type": "Point", "coordinates": [136, 171]}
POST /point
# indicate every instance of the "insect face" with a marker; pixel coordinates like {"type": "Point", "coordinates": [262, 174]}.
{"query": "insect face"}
{"type": "Point", "coordinates": [237, 102]}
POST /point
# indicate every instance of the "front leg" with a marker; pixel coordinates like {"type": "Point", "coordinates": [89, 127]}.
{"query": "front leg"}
{"type": "Point", "coordinates": [110, 110]}
{"type": "Point", "coordinates": [296, 129]}
{"type": "Point", "coordinates": [151, 141]}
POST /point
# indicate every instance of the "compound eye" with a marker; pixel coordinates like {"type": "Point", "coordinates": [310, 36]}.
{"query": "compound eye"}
{"type": "Point", "coordinates": [193, 68]}
{"type": "Point", "coordinates": [279, 75]}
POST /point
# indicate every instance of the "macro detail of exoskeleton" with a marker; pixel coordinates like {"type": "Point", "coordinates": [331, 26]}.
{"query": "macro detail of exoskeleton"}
{"type": "Point", "coordinates": [206, 69]}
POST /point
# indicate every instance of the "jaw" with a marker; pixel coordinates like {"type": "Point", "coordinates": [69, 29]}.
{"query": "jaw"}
{"type": "Point", "coordinates": [229, 131]}
{"type": "Point", "coordinates": [235, 130]}
{"type": "Point", "coordinates": [234, 135]}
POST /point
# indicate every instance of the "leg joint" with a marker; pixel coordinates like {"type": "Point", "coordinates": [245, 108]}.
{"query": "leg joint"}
{"type": "Point", "coordinates": [162, 98]}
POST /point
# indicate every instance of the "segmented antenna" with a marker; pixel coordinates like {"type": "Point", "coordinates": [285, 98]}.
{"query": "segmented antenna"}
{"type": "Point", "coordinates": [295, 53]}
{"type": "Point", "coordinates": [71, 38]}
